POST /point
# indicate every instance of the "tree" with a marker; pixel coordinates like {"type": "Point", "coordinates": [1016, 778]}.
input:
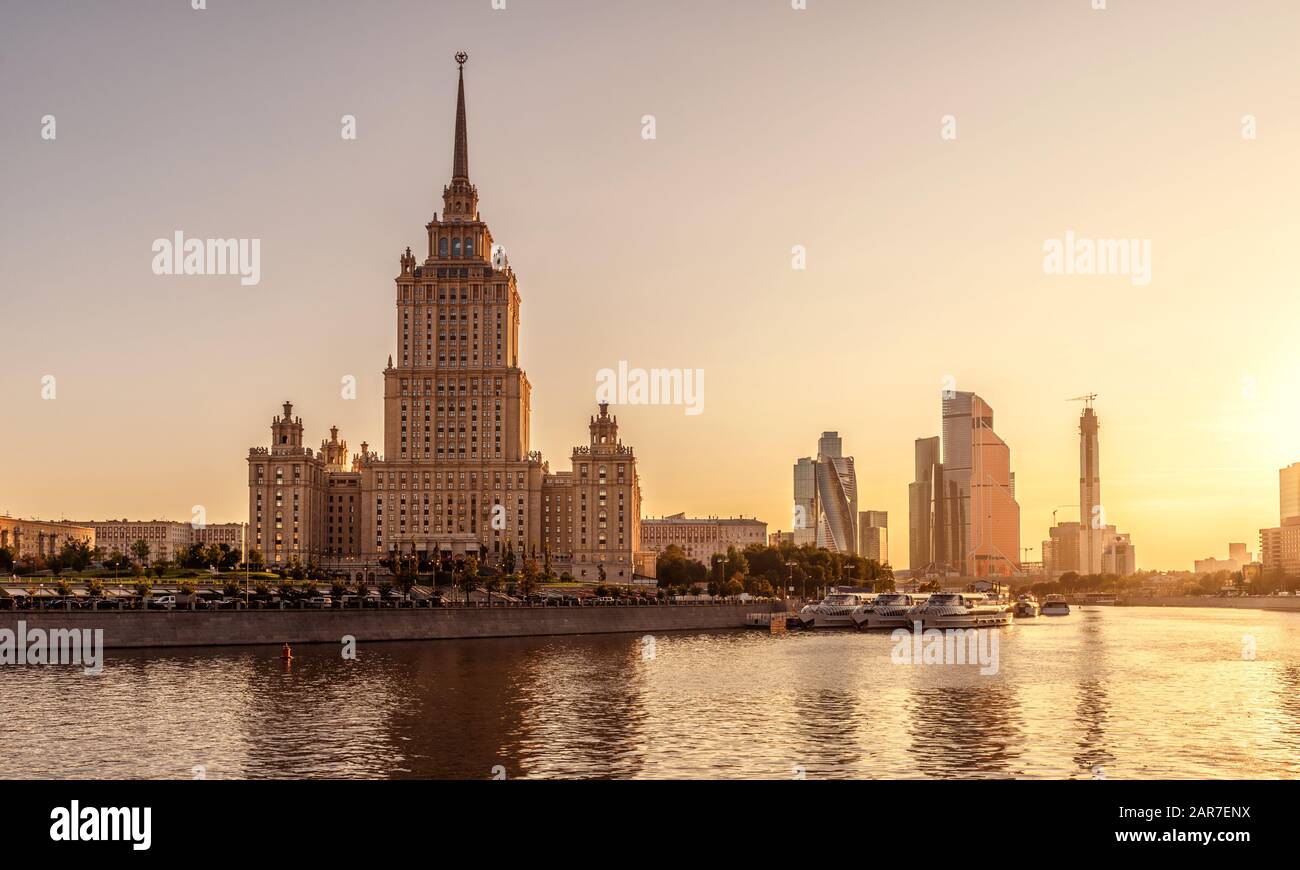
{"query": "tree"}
{"type": "Point", "coordinates": [799, 579]}
{"type": "Point", "coordinates": [76, 555]}
{"type": "Point", "coordinates": [140, 549]}
{"type": "Point", "coordinates": [672, 568]}
{"type": "Point", "coordinates": [405, 570]}
{"type": "Point", "coordinates": [160, 567]}
{"type": "Point", "coordinates": [736, 563]}
{"type": "Point", "coordinates": [6, 559]}
{"type": "Point", "coordinates": [508, 563]}
{"type": "Point", "coordinates": [530, 577]}
{"type": "Point", "coordinates": [230, 558]}
{"type": "Point", "coordinates": [256, 560]}
{"type": "Point", "coordinates": [116, 561]}
{"type": "Point", "coordinates": [492, 583]}
{"type": "Point", "coordinates": [469, 575]}
{"type": "Point", "coordinates": [55, 564]}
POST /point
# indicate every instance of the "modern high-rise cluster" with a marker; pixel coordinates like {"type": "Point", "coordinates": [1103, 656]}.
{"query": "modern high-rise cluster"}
{"type": "Point", "coordinates": [963, 516]}
{"type": "Point", "coordinates": [456, 477]}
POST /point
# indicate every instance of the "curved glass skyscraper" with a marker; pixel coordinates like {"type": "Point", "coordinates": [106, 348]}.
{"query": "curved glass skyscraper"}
{"type": "Point", "coordinates": [837, 496]}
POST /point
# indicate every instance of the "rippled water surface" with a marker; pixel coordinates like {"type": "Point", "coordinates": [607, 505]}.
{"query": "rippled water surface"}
{"type": "Point", "coordinates": [1118, 692]}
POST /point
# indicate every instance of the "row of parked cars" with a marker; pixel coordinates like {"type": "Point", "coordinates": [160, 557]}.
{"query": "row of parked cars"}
{"type": "Point", "coordinates": [394, 599]}
{"type": "Point", "coordinates": [570, 600]}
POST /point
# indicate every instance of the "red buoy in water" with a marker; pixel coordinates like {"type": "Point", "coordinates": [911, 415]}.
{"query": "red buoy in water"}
{"type": "Point", "coordinates": [286, 653]}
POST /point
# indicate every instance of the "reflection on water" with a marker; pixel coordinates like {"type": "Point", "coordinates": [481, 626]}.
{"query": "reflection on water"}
{"type": "Point", "coordinates": [1141, 692]}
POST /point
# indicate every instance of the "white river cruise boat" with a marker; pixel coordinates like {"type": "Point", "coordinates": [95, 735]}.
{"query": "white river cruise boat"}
{"type": "Point", "coordinates": [1026, 606]}
{"type": "Point", "coordinates": [889, 610]}
{"type": "Point", "coordinates": [834, 611]}
{"type": "Point", "coordinates": [960, 610]}
{"type": "Point", "coordinates": [1055, 605]}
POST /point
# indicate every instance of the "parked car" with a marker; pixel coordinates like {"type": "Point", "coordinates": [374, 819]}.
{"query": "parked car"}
{"type": "Point", "coordinates": [320, 602]}
{"type": "Point", "coordinates": [163, 602]}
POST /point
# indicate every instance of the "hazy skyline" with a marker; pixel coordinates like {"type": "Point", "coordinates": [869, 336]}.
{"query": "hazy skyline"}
{"type": "Point", "coordinates": [775, 128]}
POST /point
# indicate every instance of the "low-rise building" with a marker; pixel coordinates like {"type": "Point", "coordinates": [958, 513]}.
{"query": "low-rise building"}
{"type": "Point", "coordinates": [230, 534]}
{"type": "Point", "coordinates": [777, 538]}
{"type": "Point", "coordinates": [164, 537]}
{"type": "Point", "coordinates": [44, 538]}
{"type": "Point", "coordinates": [702, 538]}
{"type": "Point", "coordinates": [1212, 565]}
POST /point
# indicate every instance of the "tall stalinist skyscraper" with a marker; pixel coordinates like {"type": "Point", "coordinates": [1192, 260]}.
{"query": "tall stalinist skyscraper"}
{"type": "Point", "coordinates": [457, 476]}
{"type": "Point", "coordinates": [456, 403]}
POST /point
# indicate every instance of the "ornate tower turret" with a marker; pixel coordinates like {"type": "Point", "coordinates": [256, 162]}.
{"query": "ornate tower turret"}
{"type": "Point", "coordinates": [334, 451]}
{"type": "Point", "coordinates": [286, 430]}
{"type": "Point", "coordinates": [604, 430]}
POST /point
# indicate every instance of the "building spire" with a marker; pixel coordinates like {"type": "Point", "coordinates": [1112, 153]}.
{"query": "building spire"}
{"type": "Point", "coordinates": [459, 199]}
{"type": "Point", "coordinates": [460, 162]}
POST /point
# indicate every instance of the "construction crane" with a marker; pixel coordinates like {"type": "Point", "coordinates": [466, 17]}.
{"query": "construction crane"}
{"type": "Point", "coordinates": [1087, 399]}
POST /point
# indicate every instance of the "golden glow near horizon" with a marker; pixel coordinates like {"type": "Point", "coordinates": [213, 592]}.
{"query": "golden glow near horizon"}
{"type": "Point", "coordinates": [774, 128]}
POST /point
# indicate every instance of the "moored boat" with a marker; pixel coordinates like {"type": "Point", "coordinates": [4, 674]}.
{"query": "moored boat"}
{"type": "Point", "coordinates": [1055, 605]}
{"type": "Point", "coordinates": [834, 611]}
{"type": "Point", "coordinates": [960, 610]}
{"type": "Point", "coordinates": [889, 610]}
{"type": "Point", "coordinates": [1026, 606]}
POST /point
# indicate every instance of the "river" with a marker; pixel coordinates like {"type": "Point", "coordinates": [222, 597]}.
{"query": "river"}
{"type": "Point", "coordinates": [1106, 692]}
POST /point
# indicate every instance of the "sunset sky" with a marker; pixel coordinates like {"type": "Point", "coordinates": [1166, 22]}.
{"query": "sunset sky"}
{"type": "Point", "coordinates": [775, 128]}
